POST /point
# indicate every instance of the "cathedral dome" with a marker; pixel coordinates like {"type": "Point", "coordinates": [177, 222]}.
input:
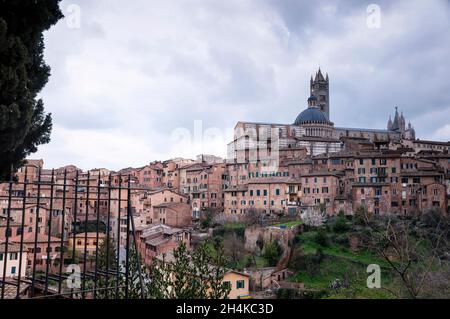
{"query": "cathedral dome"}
{"type": "Point", "coordinates": [311, 115]}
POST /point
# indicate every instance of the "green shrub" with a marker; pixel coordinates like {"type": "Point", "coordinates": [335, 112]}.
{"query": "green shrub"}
{"type": "Point", "coordinates": [342, 239]}
{"type": "Point", "coordinates": [272, 252]}
{"type": "Point", "coordinates": [308, 263]}
{"type": "Point", "coordinates": [340, 226]}
{"type": "Point", "coordinates": [321, 237]}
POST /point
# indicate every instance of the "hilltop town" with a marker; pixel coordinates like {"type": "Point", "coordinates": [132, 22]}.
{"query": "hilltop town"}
{"type": "Point", "coordinates": [276, 180]}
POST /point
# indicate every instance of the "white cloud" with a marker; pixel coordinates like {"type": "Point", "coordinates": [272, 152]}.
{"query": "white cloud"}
{"type": "Point", "coordinates": [443, 133]}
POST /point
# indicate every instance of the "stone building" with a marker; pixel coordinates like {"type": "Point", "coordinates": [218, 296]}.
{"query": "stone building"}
{"type": "Point", "coordinates": [335, 168]}
{"type": "Point", "coordinates": [204, 184]}
{"type": "Point", "coordinates": [312, 130]}
{"type": "Point", "coordinates": [173, 214]}
{"type": "Point", "coordinates": [154, 240]}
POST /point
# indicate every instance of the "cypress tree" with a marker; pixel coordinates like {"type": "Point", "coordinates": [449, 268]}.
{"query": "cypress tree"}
{"type": "Point", "coordinates": [23, 73]}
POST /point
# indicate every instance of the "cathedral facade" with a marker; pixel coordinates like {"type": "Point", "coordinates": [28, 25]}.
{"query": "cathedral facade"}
{"type": "Point", "coordinates": [312, 130]}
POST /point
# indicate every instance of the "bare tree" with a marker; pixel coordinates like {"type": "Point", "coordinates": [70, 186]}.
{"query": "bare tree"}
{"type": "Point", "coordinates": [413, 248]}
{"type": "Point", "coordinates": [253, 216]}
{"type": "Point", "coordinates": [234, 247]}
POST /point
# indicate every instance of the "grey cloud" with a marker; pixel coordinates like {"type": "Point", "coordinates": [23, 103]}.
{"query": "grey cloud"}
{"type": "Point", "coordinates": [144, 69]}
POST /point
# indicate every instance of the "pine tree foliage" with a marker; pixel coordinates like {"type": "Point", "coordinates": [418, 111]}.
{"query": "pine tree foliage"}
{"type": "Point", "coordinates": [107, 265]}
{"type": "Point", "coordinates": [187, 274]}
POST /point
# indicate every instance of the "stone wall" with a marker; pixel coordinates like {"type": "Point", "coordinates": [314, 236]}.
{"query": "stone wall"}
{"type": "Point", "coordinates": [268, 234]}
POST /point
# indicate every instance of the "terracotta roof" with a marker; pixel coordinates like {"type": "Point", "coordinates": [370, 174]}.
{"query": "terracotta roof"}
{"type": "Point", "coordinates": [369, 184]}
{"type": "Point", "coordinates": [274, 180]}
{"type": "Point", "coordinates": [157, 241]}
{"type": "Point", "coordinates": [12, 247]}
{"type": "Point", "coordinates": [240, 188]}
{"type": "Point", "coordinates": [420, 173]}
{"type": "Point", "coordinates": [30, 238]}
{"type": "Point", "coordinates": [171, 204]}
{"type": "Point", "coordinates": [432, 142]}
{"type": "Point", "coordinates": [90, 235]}
{"type": "Point", "coordinates": [237, 272]}
{"type": "Point", "coordinates": [322, 173]}
{"type": "Point", "coordinates": [4, 223]}
{"type": "Point", "coordinates": [11, 289]}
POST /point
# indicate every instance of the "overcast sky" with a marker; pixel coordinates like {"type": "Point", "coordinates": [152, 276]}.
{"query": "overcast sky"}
{"type": "Point", "coordinates": [131, 83]}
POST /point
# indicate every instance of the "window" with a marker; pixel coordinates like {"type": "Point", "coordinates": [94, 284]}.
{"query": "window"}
{"type": "Point", "coordinates": [1, 257]}
{"type": "Point", "coordinates": [13, 256]}
{"type": "Point", "coordinates": [265, 192]}
{"type": "Point", "coordinates": [13, 270]}
{"type": "Point", "coordinates": [227, 284]}
{"type": "Point", "coordinates": [277, 192]}
{"type": "Point", "coordinates": [394, 170]}
{"type": "Point", "coordinates": [240, 284]}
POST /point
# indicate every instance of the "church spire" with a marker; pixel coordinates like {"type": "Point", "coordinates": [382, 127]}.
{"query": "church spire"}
{"type": "Point", "coordinates": [389, 125]}
{"type": "Point", "coordinates": [396, 123]}
{"type": "Point", "coordinates": [319, 76]}
{"type": "Point", "coordinates": [320, 91]}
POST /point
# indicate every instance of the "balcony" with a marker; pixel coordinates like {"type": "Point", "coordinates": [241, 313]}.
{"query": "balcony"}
{"type": "Point", "coordinates": [298, 203]}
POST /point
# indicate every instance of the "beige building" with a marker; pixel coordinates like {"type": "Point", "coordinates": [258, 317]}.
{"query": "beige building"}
{"type": "Point", "coordinates": [12, 260]}
{"type": "Point", "coordinates": [239, 283]}
{"type": "Point", "coordinates": [270, 195]}
{"type": "Point", "coordinates": [88, 241]}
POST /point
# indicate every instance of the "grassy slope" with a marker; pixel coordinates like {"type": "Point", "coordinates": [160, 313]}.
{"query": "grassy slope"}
{"type": "Point", "coordinates": [338, 263]}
